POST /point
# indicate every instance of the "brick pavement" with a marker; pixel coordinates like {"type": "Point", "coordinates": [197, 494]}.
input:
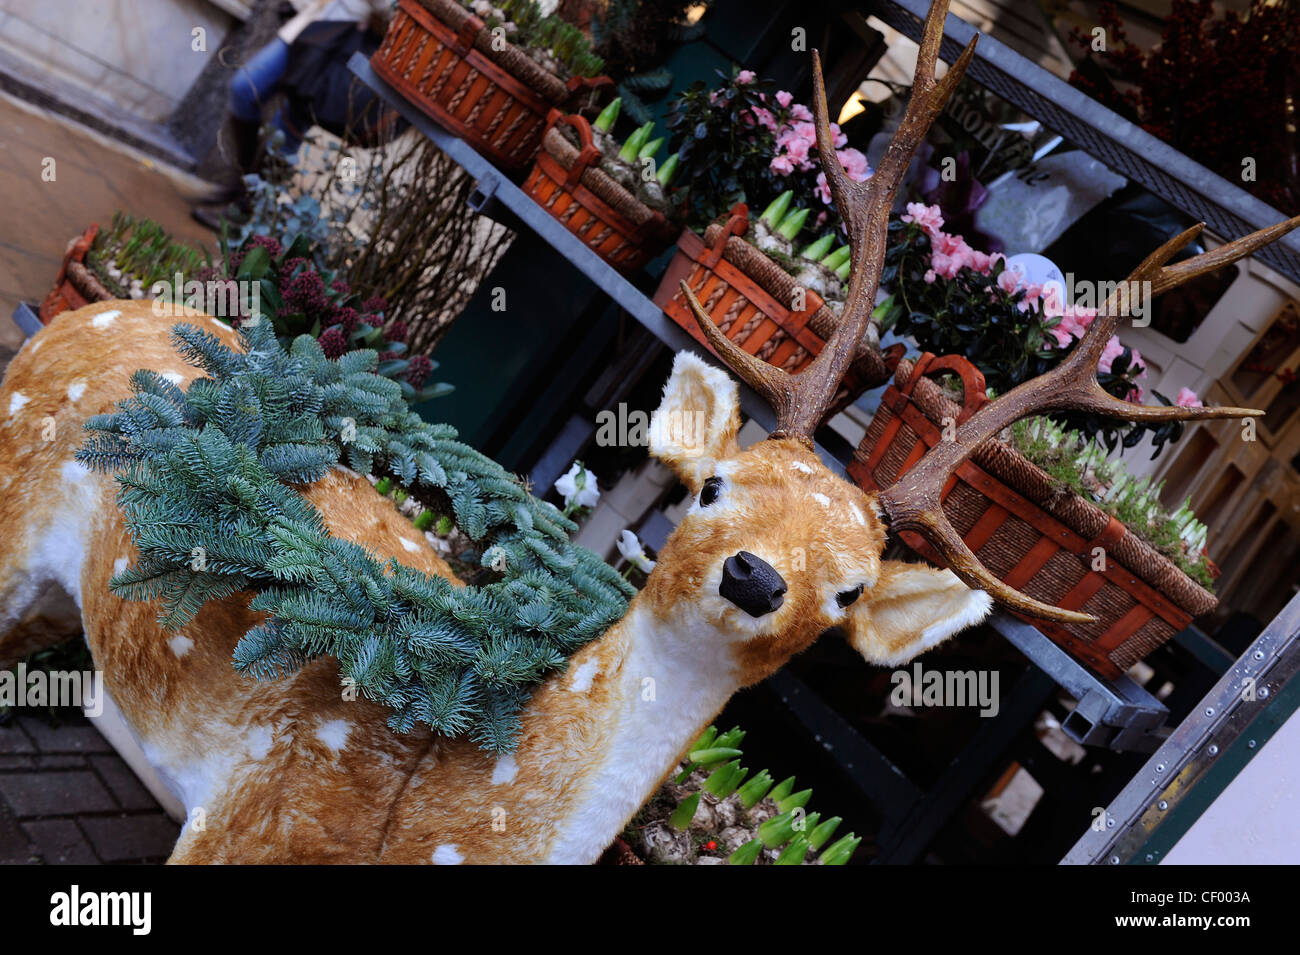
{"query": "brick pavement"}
{"type": "Point", "coordinates": [67, 797]}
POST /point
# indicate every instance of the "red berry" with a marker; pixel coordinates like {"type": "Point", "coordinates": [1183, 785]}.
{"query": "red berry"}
{"type": "Point", "coordinates": [710, 845]}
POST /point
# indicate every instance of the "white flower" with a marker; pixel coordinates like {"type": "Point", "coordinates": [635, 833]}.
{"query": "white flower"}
{"type": "Point", "coordinates": [629, 545]}
{"type": "Point", "coordinates": [578, 487]}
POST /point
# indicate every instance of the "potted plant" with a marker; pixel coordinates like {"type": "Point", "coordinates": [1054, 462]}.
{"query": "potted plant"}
{"type": "Point", "coordinates": [773, 285]}
{"type": "Point", "coordinates": [608, 194]}
{"type": "Point", "coordinates": [489, 73]}
{"type": "Point", "coordinates": [1043, 492]}
{"type": "Point", "coordinates": [298, 297]}
{"type": "Point", "coordinates": [122, 261]}
{"type": "Point", "coordinates": [713, 811]}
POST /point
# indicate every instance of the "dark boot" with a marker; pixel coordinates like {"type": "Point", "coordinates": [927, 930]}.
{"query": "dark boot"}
{"type": "Point", "coordinates": [241, 140]}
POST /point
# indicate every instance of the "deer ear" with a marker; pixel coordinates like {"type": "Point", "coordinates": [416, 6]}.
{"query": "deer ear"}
{"type": "Point", "coordinates": [912, 608]}
{"type": "Point", "coordinates": [695, 426]}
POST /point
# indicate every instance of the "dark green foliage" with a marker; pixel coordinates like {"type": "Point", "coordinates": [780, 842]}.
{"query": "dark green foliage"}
{"type": "Point", "coordinates": [635, 38]}
{"type": "Point", "coordinates": [208, 493]}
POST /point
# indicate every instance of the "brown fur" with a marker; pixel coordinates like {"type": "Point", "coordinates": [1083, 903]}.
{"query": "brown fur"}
{"type": "Point", "coordinates": [291, 770]}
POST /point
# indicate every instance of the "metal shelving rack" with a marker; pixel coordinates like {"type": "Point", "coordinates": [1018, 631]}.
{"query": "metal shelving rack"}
{"type": "Point", "coordinates": [1118, 714]}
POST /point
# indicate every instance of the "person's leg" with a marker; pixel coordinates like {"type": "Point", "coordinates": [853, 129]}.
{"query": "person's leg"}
{"type": "Point", "coordinates": [282, 123]}
{"type": "Point", "coordinates": [256, 80]}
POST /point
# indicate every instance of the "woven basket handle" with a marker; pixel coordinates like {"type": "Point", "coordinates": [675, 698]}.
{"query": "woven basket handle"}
{"type": "Point", "coordinates": [465, 36]}
{"type": "Point", "coordinates": [737, 224]}
{"type": "Point", "coordinates": [585, 86]}
{"type": "Point", "coordinates": [973, 389]}
{"type": "Point", "coordinates": [587, 155]}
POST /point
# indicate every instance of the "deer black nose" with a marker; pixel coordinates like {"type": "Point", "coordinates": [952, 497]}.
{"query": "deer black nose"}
{"type": "Point", "coordinates": [752, 584]}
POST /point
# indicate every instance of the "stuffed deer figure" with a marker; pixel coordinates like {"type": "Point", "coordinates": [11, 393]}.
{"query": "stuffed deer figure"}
{"type": "Point", "coordinates": [774, 551]}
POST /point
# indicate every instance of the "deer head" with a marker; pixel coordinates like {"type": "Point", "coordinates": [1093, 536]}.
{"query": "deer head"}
{"type": "Point", "coordinates": [776, 549]}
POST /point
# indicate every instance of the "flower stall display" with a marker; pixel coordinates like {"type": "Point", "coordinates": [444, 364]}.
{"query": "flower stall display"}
{"type": "Point", "coordinates": [773, 286]}
{"type": "Point", "coordinates": [610, 195]}
{"type": "Point", "coordinates": [1041, 505]}
{"type": "Point", "coordinates": [490, 73]}
{"type": "Point", "coordinates": [285, 286]}
{"type": "Point", "coordinates": [953, 299]}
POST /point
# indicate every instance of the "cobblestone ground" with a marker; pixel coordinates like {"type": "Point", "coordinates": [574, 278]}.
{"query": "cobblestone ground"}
{"type": "Point", "coordinates": [67, 798]}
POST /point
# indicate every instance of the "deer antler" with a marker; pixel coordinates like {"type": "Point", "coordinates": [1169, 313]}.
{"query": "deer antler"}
{"type": "Point", "coordinates": [800, 400]}
{"type": "Point", "coordinates": [913, 502]}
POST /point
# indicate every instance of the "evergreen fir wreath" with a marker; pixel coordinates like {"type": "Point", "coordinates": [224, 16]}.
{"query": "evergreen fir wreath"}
{"type": "Point", "coordinates": [216, 467]}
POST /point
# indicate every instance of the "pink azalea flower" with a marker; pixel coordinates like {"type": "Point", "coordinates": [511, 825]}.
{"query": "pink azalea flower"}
{"type": "Point", "coordinates": [744, 77]}
{"type": "Point", "coordinates": [855, 164]}
{"type": "Point", "coordinates": [781, 165]}
{"type": "Point", "coordinates": [1032, 292]}
{"type": "Point", "coordinates": [1008, 281]}
{"type": "Point", "coordinates": [1072, 324]}
{"type": "Point", "coordinates": [1187, 399]}
{"type": "Point", "coordinates": [929, 218]}
{"type": "Point", "coordinates": [1061, 334]}
{"type": "Point", "coordinates": [947, 244]}
{"type": "Point", "coordinates": [765, 118]}
{"type": "Point", "coordinates": [823, 188]}
{"type": "Point", "coordinates": [929, 276]}
{"type": "Point", "coordinates": [796, 150]}
{"type": "Point", "coordinates": [1112, 351]}
{"type": "Point", "coordinates": [945, 265]}
{"type": "Point", "coordinates": [800, 113]}
{"type": "Point", "coordinates": [784, 98]}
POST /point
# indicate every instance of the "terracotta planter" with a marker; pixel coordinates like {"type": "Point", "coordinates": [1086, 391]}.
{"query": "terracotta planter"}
{"type": "Point", "coordinates": [748, 296]}
{"type": "Point", "coordinates": [567, 182]}
{"type": "Point", "coordinates": [75, 285]}
{"type": "Point", "coordinates": [444, 60]}
{"type": "Point", "coordinates": [1025, 529]}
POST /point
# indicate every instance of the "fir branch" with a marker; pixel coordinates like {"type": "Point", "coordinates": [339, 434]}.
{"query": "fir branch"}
{"type": "Point", "coordinates": [208, 485]}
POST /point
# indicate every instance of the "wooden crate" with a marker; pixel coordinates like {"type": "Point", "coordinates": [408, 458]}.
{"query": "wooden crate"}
{"type": "Point", "coordinates": [437, 66]}
{"type": "Point", "coordinates": [568, 183]}
{"type": "Point", "coordinates": [75, 286]}
{"type": "Point", "coordinates": [754, 315]}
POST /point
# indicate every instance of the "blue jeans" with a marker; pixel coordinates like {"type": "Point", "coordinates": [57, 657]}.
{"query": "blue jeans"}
{"type": "Point", "coordinates": [255, 82]}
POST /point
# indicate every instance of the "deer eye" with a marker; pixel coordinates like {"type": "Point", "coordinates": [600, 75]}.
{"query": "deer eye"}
{"type": "Point", "coordinates": [709, 493]}
{"type": "Point", "coordinates": [846, 597]}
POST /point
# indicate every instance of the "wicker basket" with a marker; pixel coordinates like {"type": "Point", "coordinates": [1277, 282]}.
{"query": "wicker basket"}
{"type": "Point", "coordinates": [569, 184]}
{"type": "Point", "coordinates": [76, 285]}
{"type": "Point", "coordinates": [443, 59]}
{"type": "Point", "coordinates": [1033, 535]}
{"type": "Point", "coordinates": [745, 292]}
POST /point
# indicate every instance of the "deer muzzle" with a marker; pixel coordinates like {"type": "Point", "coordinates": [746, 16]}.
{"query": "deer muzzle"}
{"type": "Point", "coordinates": [752, 584]}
